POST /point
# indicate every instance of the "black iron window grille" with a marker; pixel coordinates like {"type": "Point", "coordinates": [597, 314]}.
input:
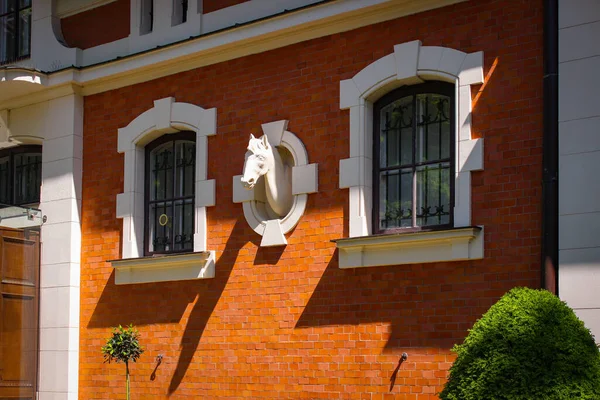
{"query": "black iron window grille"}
{"type": "Point", "coordinates": [20, 175]}
{"type": "Point", "coordinates": [170, 194]}
{"type": "Point", "coordinates": [413, 164]}
{"type": "Point", "coordinates": [15, 30]}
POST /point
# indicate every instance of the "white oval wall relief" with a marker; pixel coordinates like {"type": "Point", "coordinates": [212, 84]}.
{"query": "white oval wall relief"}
{"type": "Point", "coordinates": [275, 184]}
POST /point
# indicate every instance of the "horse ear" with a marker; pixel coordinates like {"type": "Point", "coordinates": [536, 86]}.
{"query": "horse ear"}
{"type": "Point", "coordinates": [252, 137]}
{"type": "Point", "coordinates": [265, 141]}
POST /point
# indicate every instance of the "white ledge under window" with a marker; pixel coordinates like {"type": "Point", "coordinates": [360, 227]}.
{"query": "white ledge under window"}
{"type": "Point", "coordinates": [410, 248]}
{"type": "Point", "coordinates": [172, 267]}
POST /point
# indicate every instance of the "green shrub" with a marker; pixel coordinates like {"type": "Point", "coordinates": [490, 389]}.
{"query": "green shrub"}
{"type": "Point", "coordinates": [529, 345]}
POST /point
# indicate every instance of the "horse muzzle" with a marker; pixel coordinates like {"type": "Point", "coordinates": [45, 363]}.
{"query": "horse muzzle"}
{"type": "Point", "coordinates": [248, 183]}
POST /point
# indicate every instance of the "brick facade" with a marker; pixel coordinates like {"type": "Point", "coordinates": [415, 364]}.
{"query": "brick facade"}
{"type": "Point", "coordinates": [97, 26]}
{"type": "Point", "coordinates": [287, 322]}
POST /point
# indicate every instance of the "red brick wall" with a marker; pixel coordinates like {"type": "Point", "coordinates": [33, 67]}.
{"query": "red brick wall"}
{"type": "Point", "coordinates": [287, 322]}
{"type": "Point", "coordinates": [209, 6]}
{"type": "Point", "coordinates": [97, 26]}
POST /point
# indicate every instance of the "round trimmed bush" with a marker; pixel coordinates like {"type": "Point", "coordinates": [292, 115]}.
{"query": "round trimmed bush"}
{"type": "Point", "coordinates": [529, 345]}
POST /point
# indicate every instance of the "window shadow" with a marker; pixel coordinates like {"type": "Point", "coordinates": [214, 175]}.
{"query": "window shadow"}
{"type": "Point", "coordinates": [166, 303]}
{"type": "Point", "coordinates": [163, 302]}
{"type": "Point", "coordinates": [424, 304]}
{"type": "Point", "coordinates": [208, 296]}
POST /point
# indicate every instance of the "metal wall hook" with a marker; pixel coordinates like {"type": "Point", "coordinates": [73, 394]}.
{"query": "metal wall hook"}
{"type": "Point", "coordinates": [158, 362]}
{"type": "Point", "coordinates": [403, 358]}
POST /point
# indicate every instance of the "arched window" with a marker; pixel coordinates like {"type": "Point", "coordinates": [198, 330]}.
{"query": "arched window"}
{"type": "Point", "coordinates": [416, 174]}
{"type": "Point", "coordinates": [413, 163]}
{"type": "Point", "coordinates": [20, 175]}
{"type": "Point", "coordinates": [170, 193]}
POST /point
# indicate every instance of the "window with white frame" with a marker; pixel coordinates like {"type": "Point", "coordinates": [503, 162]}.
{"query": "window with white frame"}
{"type": "Point", "coordinates": [411, 156]}
{"type": "Point", "coordinates": [165, 194]}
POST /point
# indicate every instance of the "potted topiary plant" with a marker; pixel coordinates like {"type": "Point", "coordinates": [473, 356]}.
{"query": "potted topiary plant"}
{"type": "Point", "coordinates": [528, 346]}
{"type": "Point", "coordinates": [123, 346]}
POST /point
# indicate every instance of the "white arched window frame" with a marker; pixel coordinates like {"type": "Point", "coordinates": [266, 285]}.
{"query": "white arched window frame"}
{"type": "Point", "coordinates": [409, 64]}
{"type": "Point", "coordinates": [167, 116]}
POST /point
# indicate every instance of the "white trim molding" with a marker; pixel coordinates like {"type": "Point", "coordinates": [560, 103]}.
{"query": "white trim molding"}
{"type": "Point", "coordinates": [408, 248]}
{"type": "Point", "coordinates": [409, 64]}
{"type": "Point", "coordinates": [304, 182]}
{"type": "Point", "coordinates": [118, 64]}
{"type": "Point", "coordinates": [167, 116]}
{"type": "Point", "coordinates": [175, 267]}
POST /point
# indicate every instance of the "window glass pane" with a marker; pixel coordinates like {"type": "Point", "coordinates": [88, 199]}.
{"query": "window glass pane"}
{"type": "Point", "coordinates": [395, 137]}
{"type": "Point", "coordinates": [27, 178]}
{"type": "Point", "coordinates": [185, 154]}
{"type": "Point", "coordinates": [432, 113]}
{"type": "Point", "coordinates": [160, 230]}
{"type": "Point", "coordinates": [183, 224]}
{"type": "Point", "coordinates": [7, 38]}
{"type": "Point", "coordinates": [446, 129]}
{"type": "Point", "coordinates": [161, 172]}
{"type": "Point", "coordinates": [5, 194]}
{"type": "Point", "coordinates": [24, 32]}
{"type": "Point", "coordinates": [433, 194]}
{"type": "Point", "coordinates": [24, 3]}
{"type": "Point", "coordinates": [171, 197]}
{"type": "Point", "coordinates": [395, 199]}
{"type": "Point", "coordinates": [6, 6]}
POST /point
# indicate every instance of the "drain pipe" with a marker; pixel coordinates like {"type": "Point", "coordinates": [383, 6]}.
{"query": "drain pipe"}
{"type": "Point", "coordinates": [549, 259]}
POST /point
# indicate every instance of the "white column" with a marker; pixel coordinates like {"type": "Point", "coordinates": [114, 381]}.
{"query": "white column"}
{"type": "Point", "coordinates": [61, 249]}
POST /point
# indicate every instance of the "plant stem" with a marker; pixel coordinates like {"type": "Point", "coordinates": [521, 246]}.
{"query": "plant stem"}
{"type": "Point", "coordinates": [127, 377]}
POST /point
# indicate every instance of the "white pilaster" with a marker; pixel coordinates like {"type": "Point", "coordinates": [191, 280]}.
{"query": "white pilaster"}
{"type": "Point", "coordinates": [61, 249]}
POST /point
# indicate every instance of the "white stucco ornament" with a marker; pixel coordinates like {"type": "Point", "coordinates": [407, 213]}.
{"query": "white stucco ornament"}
{"type": "Point", "coordinates": [275, 183]}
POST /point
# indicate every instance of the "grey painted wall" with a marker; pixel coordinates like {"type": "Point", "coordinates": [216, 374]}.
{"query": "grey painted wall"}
{"type": "Point", "coordinates": [579, 158]}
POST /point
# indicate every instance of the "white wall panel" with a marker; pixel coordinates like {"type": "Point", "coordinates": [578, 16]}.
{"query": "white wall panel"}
{"type": "Point", "coordinates": [579, 183]}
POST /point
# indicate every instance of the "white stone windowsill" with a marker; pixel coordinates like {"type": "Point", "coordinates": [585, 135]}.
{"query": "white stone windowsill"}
{"type": "Point", "coordinates": [172, 267]}
{"type": "Point", "coordinates": [411, 247]}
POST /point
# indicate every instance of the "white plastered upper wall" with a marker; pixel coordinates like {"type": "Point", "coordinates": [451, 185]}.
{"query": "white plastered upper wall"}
{"type": "Point", "coordinates": [409, 64]}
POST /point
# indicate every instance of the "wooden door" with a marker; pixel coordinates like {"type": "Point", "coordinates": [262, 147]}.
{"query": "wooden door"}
{"type": "Point", "coordinates": [19, 273]}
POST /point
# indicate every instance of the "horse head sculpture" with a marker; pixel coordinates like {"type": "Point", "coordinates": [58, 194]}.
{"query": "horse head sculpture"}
{"type": "Point", "coordinates": [265, 160]}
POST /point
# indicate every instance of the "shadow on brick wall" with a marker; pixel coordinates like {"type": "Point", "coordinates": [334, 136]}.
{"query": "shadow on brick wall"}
{"type": "Point", "coordinates": [206, 303]}
{"type": "Point", "coordinates": [420, 305]}
{"type": "Point", "coordinates": [166, 303]}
